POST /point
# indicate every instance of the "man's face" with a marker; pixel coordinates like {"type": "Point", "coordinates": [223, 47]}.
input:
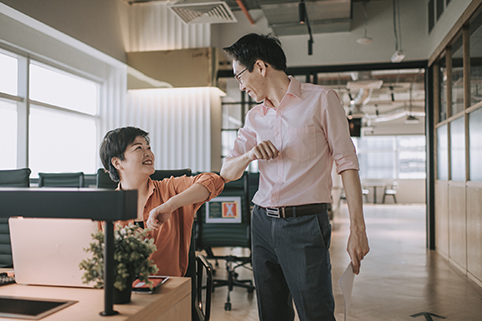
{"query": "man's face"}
{"type": "Point", "coordinates": [138, 159]}
{"type": "Point", "coordinates": [250, 82]}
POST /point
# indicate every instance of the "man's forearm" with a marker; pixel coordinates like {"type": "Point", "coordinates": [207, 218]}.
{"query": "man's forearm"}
{"type": "Point", "coordinates": [233, 168]}
{"type": "Point", "coordinates": [352, 187]}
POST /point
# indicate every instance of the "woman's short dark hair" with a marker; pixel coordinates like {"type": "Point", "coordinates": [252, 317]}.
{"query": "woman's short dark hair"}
{"type": "Point", "coordinates": [115, 143]}
{"type": "Point", "coordinates": [253, 46]}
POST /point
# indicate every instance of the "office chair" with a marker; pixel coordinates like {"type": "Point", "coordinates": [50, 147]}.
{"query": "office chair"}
{"type": "Point", "coordinates": [10, 178]}
{"type": "Point", "coordinates": [229, 235]}
{"type": "Point", "coordinates": [61, 179]}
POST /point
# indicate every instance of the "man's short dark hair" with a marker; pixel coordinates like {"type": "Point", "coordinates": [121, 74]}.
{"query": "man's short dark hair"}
{"type": "Point", "coordinates": [115, 143]}
{"type": "Point", "coordinates": [253, 46]}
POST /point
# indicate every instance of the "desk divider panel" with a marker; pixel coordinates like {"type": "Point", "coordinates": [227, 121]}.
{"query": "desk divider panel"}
{"type": "Point", "coordinates": [87, 203]}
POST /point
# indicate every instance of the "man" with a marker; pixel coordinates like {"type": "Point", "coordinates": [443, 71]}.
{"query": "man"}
{"type": "Point", "coordinates": [168, 206]}
{"type": "Point", "coordinates": [295, 134]}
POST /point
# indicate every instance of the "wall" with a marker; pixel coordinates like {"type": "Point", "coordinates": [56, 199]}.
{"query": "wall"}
{"type": "Point", "coordinates": [179, 123]}
{"type": "Point", "coordinates": [100, 24]}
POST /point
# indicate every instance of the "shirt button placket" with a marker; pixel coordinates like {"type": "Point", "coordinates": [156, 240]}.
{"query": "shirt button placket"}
{"type": "Point", "coordinates": [279, 160]}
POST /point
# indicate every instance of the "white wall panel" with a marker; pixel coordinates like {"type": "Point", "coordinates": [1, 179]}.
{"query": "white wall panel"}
{"type": "Point", "coordinates": [179, 124]}
{"type": "Point", "coordinates": [153, 26]}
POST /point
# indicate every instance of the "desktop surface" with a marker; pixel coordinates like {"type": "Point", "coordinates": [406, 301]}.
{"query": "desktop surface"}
{"type": "Point", "coordinates": [172, 301]}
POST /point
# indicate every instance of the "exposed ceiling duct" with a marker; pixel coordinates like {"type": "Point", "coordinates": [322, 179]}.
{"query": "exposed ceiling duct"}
{"type": "Point", "coordinates": [365, 89]}
{"type": "Point", "coordinates": [200, 11]}
{"type": "Point", "coordinates": [395, 114]}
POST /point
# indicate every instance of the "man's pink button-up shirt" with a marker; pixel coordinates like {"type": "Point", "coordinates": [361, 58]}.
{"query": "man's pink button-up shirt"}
{"type": "Point", "coordinates": [310, 130]}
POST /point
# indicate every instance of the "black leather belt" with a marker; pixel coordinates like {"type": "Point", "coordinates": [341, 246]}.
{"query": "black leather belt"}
{"type": "Point", "coordinates": [295, 211]}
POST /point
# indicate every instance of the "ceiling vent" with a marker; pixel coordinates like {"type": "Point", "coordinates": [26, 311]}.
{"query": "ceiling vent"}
{"type": "Point", "coordinates": [199, 11]}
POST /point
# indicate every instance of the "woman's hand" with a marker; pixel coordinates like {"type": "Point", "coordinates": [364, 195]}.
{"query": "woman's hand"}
{"type": "Point", "coordinates": [159, 216]}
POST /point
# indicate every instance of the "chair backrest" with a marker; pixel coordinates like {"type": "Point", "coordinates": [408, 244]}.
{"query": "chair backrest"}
{"type": "Point", "coordinates": [104, 180]}
{"type": "Point", "coordinates": [393, 186]}
{"type": "Point", "coordinates": [75, 179]}
{"type": "Point", "coordinates": [227, 234]}
{"type": "Point", "coordinates": [10, 178]}
{"type": "Point", "coordinates": [15, 177]}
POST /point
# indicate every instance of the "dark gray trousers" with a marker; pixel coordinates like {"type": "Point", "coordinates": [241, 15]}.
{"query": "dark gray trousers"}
{"type": "Point", "coordinates": [291, 261]}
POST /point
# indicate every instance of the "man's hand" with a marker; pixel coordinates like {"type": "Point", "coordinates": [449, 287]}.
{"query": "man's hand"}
{"type": "Point", "coordinates": [357, 248]}
{"type": "Point", "coordinates": [264, 150]}
{"type": "Point", "coordinates": [159, 216]}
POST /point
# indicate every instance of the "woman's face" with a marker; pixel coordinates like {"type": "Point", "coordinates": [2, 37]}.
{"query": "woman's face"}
{"type": "Point", "coordinates": [138, 159]}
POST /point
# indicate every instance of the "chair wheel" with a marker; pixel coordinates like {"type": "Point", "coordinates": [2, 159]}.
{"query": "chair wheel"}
{"type": "Point", "coordinates": [250, 290]}
{"type": "Point", "coordinates": [227, 306]}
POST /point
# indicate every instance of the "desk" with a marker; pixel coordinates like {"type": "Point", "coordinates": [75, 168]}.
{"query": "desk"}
{"type": "Point", "coordinates": [374, 186]}
{"type": "Point", "coordinates": [171, 302]}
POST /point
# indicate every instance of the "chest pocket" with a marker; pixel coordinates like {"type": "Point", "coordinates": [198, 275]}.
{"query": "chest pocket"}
{"type": "Point", "coordinates": [300, 143]}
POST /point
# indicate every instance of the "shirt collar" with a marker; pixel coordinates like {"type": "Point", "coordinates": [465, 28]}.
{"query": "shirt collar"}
{"type": "Point", "coordinates": [151, 187]}
{"type": "Point", "coordinates": [294, 90]}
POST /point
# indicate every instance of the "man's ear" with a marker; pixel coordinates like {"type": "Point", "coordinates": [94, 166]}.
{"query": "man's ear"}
{"type": "Point", "coordinates": [116, 162]}
{"type": "Point", "coordinates": [261, 66]}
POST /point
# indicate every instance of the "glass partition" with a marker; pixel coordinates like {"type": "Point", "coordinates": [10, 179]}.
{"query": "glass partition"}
{"type": "Point", "coordinates": [442, 154]}
{"type": "Point", "coordinates": [442, 90]}
{"type": "Point", "coordinates": [476, 60]}
{"type": "Point", "coordinates": [457, 77]}
{"type": "Point", "coordinates": [475, 145]}
{"type": "Point", "coordinates": [457, 149]}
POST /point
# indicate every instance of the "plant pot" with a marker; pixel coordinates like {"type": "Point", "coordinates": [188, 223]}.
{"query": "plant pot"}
{"type": "Point", "coordinates": [124, 296]}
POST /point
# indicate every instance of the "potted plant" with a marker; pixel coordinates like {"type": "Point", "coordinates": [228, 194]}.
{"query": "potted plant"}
{"type": "Point", "coordinates": [132, 249]}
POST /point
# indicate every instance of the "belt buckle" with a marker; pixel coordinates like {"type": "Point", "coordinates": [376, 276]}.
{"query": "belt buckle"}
{"type": "Point", "coordinates": [277, 212]}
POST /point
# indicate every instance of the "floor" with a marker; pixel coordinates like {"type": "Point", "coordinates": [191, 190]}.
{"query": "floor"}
{"type": "Point", "coordinates": [399, 280]}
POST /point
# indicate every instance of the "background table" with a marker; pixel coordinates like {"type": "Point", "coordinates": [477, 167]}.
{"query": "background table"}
{"type": "Point", "coordinates": [374, 187]}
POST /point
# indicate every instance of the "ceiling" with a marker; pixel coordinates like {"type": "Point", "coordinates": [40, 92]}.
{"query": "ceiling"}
{"type": "Point", "coordinates": [324, 16]}
{"type": "Point", "coordinates": [400, 93]}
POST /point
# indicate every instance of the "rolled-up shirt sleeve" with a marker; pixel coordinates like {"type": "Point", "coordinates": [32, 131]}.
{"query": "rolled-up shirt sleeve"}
{"type": "Point", "coordinates": [337, 133]}
{"type": "Point", "coordinates": [245, 141]}
{"type": "Point", "coordinates": [213, 182]}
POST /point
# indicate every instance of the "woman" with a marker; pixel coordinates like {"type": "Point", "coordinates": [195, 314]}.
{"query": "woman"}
{"type": "Point", "coordinates": [167, 207]}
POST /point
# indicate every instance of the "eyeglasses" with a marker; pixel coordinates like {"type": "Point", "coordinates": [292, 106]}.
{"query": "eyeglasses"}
{"type": "Point", "coordinates": [238, 75]}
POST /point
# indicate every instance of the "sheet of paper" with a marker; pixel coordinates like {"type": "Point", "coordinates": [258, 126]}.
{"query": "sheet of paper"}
{"type": "Point", "coordinates": [346, 285]}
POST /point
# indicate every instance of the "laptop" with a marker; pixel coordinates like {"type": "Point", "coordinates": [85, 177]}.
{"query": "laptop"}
{"type": "Point", "coordinates": [47, 251]}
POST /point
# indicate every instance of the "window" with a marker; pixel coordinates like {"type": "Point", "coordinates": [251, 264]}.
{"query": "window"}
{"type": "Point", "coordinates": [8, 110]}
{"type": "Point", "coordinates": [442, 153]}
{"type": "Point", "coordinates": [457, 77]}
{"type": "Point", "coordinates": [8, 132]}
{"type": "Point", "coordinates": [56, 87]}
{"type": "Point", "coordinates": [391, 157]}
{"type": "Point", "coordinates": [443, 90]}
{"type": "Point", "coordinates": [431, 15]}
{"type": "Point", "coordinates": [457, 149]}
{"type": "Point", "coordinates": [61, 141]}
{"type": "Point", "coordinates": [475, 145]}
{"type": "Point", "coordinates": [62, 133]}
{"type": "Point", "coordinates": [476, 60]}
{"type": "Point", "coordinates": [62, 109]}
{"type": "Point", "coordinates": [8, 76]}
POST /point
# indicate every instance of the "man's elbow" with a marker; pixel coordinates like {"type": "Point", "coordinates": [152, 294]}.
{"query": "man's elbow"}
{"type": "Point", "coordinates": [227, 172]}
{"type": "Point", "coordinates": [225, 175]}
